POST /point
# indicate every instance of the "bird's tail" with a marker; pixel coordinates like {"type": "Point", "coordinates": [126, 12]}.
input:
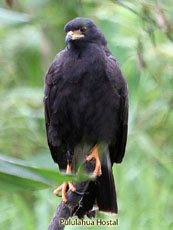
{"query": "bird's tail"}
{"type": "Point", "coordinates": [100, 193]}
{"type": "Point", "coordinates": [106, 198]}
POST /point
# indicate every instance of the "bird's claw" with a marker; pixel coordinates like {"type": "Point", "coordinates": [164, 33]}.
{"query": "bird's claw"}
{"type": "Point", "coordinates": [94, 154]}
{"type": "Point", "coordinates": [75, 191]}
{"type": "Point", "coordinates": [63, 188]}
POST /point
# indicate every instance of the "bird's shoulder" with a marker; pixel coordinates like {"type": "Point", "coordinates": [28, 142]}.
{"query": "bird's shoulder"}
{"type": "Point", "coordinates": [113, 72]}
{"type": "Point", "coordinates": [55, 70]}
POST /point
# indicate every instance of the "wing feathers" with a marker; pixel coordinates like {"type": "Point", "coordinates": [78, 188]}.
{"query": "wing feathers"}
{"type": "Point", "coordinates": [118, 145]}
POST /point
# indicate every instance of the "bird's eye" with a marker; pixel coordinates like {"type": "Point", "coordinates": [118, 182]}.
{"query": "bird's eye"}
{"type": "Point", "coordinates": [83, 29]}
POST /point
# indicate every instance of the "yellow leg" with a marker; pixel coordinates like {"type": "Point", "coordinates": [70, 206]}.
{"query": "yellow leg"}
{"type": "Point", "coordinates": [63, 187]}
{"type": "Point", "coordinates": [95, 154]}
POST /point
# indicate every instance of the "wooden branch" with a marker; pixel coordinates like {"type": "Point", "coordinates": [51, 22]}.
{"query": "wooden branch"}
{"type": "Point", "coordinates": [9, 3]}
{"type": "Point", "coordinates": [66, 210]}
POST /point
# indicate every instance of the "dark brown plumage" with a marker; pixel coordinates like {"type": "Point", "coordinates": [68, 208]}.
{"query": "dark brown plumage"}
{"type": "Point", "coordinates": [86, 103]}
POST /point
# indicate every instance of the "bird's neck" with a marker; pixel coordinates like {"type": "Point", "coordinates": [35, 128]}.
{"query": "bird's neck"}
{"type": "Point", "coordinates": [83, 50]}
{"type": "Point", "coordinates": [76, 49]}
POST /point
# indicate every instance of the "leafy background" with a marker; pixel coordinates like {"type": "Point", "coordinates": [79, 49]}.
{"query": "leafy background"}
{"type": "Point", "coordinates": [140, 35]}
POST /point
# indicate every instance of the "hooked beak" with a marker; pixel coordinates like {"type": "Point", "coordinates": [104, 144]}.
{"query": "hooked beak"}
{"type": "Point", "coordinates": [73, 35]}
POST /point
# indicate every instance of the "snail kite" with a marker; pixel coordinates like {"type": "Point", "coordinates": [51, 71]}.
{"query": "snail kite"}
{"type": "Point", "coordinates": [86, 105]}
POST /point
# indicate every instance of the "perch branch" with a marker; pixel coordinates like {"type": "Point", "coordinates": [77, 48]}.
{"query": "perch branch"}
{"type": "Point", "coordinates": [66, 210]}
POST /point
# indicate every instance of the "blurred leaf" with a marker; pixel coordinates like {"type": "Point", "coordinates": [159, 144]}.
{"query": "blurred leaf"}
{"type": "Point", "coordinates": [10, 183]}
{"type": "Point", "coordinates": [8, 17]}
{"type": "Point", "coordinates": [22, 177]}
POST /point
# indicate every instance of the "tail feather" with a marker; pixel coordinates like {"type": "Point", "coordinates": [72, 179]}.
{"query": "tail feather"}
{"type": "Point", "coordinates": [101, 193]}
{"type": "Point", "coordinates": [105, 191]}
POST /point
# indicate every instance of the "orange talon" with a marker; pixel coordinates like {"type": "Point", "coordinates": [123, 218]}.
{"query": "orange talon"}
{"type": "Point", "coordinates": [95, 154]}
{"type": "Point", "coordinates": [63, 187]}
{"type": "Point", "coordinates": [71, 187]}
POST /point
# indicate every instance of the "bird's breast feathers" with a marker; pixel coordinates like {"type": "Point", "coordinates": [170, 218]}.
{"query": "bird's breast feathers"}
{"type": "Point", "coordinates": [90, 62]}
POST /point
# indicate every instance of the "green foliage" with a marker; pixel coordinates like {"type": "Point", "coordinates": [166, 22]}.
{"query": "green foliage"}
{"type": "Point", "coordinates": [139, 34]}
{"type": "Point", "coordinates": [17, 176]}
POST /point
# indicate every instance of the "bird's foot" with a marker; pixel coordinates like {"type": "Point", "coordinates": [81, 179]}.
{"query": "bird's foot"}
{"type": "Point", "coordinates": [95, 154]}
{"type": "Point", "coordinates": [63, 187]}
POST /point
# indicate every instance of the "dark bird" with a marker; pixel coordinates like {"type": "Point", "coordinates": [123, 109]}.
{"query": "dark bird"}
{"type": "Point", "coordinates": [86, 106]}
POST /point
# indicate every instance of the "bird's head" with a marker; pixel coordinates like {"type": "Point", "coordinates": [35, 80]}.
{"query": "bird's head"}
{"type": "Point", "coordinates": [80, 31]}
